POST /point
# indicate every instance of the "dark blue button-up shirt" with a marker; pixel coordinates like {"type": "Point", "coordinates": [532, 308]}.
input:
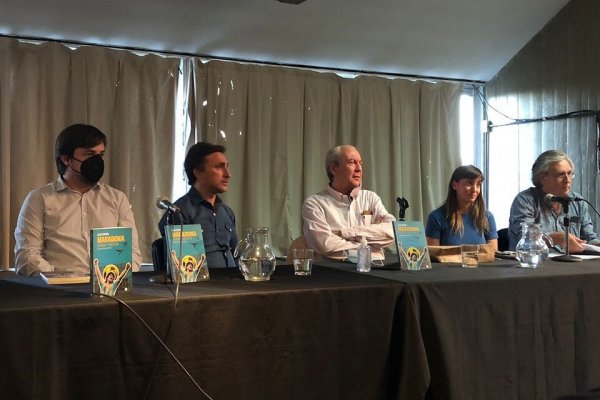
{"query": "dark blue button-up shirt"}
{"type": "Point", "coordinates": [218, 226]}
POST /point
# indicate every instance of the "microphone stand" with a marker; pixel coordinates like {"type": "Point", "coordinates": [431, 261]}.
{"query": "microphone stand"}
{"type": "Point", "coordinates": [166, 276]}
{"type": "Point", "coordinates": [169, 272]}
{"type": "Point", "coordinates": [566, 257]}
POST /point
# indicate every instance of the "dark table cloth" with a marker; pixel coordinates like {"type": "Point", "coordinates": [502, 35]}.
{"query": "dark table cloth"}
{"type": "Point", "coordinates": [495, 332]}
{"type": "Point", "coordinates": [502, 332]}
{"type": "Point", "coordinates": [332, 335]}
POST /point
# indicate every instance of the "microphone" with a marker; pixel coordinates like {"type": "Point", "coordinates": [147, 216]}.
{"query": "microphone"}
{"type": "Point", "coordinates": [549, 198]}
{"type": "Point", "coordinates": [164, 204]}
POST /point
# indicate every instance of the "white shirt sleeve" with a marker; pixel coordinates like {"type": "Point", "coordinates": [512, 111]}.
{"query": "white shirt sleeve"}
{"type": "Point", "coordinates": [53, 228]}
{"type": "Point", "coordinates": [333, 223]}
{"type": "Point", "coordinates": [29, 237]}
{"type": "Point", "coordinates": [379, 231]}
{"type": "Point", "coordinates": [320, 235]}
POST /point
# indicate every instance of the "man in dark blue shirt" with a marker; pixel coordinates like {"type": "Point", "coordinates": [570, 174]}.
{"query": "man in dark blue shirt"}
{"type": "Point", "coordinates": [207, 170]}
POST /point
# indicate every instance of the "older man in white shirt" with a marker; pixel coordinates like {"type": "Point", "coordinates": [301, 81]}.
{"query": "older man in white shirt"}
{"type": "Point", "coordinates": [337, 218]}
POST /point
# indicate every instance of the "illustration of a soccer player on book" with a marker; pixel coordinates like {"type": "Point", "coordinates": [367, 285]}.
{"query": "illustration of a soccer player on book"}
{"type": "Point", "coordinates": [189, 268]}
{"type": "Point", "coordinates": [414, 257]}
{"type": "Point", "coordinates": [110, 279]}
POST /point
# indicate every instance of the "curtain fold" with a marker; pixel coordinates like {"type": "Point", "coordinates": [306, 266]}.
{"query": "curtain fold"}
{"type": "Point", "coordinates": [46, 87]}
{"type": "Point", "coordinates": [277, 124]}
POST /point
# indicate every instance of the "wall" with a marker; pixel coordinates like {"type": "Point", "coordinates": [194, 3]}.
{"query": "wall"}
{"type": "Point", "coordinates": [557, 72]}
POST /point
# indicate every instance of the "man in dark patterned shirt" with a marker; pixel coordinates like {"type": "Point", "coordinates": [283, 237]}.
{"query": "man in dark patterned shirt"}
{"type": "Point", "coordinates": [207, 170]}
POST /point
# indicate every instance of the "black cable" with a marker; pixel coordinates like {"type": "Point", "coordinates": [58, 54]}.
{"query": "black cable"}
{"type": "Point", "coordinates": [157, 338]}
{"type": "Point", "coordinates": [598, 139]}
{"type": "Point", "coordinates": [176, 275]}
{"type": "Point", "coordinates": [156, 362]}
{"type": "Point", "coordinates": [572, 114]}
{"type": "Point", "coordinates": [590, 204]}
{"type": "Point", "coordinates": [485, 103]}
{"type": "Point", "coordinates": [517, 121]}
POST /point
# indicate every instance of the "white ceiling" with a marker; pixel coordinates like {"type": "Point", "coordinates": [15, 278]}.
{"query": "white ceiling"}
{"type": "Point", "coordinates": [453, 39]}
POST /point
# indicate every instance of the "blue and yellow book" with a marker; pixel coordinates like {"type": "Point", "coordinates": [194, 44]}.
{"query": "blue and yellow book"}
{"type": "Point", "coordinates": [411, 245]}
{"type": "Point", "coordinates": [187, 255]}
{"type": "Point", "coordinates": [111, 260]}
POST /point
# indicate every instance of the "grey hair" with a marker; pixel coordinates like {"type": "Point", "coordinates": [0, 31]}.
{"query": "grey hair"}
{"type": "Point", "coordinates": [333, 157]}
{"type": "Point", "coordinates": [542, 164]}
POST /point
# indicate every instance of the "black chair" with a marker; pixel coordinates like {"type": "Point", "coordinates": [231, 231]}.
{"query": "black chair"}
{"type": "Point", "coordinates": [503, 239]}
{"type": "Point", "coordinates": [159, 255]}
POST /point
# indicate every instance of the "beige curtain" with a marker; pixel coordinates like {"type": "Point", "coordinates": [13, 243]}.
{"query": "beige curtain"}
{"type": "Point", "coordinates": [277, 124]}
{"type": "Point", "coordinates": [44, 88]}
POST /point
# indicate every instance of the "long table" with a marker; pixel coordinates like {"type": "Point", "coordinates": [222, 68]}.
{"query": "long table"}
{"type": "Point", "coordinates": [333, 335]}
{"type": "Point", "coordinates": [495, 332]}
{"type": "Point", "coordinates": [503, 332]}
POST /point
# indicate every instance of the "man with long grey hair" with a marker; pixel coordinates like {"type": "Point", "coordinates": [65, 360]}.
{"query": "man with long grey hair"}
{"type": "Point", "coordinates": [337, 218]}
{"type": "Point", "coordinates": [552, 173]}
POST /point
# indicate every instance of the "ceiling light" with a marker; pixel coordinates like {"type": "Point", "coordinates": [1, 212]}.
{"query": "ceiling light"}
{"type": "Point", "coordinates": [291, 1]}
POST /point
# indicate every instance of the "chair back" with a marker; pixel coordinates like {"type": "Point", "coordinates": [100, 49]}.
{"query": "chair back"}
{"type": "Point", "coordinates": [159, 255]}
{"type": "Point", "coordinates": [503, 239]}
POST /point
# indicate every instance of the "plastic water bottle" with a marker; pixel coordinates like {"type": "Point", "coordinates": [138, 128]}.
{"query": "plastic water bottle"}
{"type": "Point", "coordinates": [363, 263]}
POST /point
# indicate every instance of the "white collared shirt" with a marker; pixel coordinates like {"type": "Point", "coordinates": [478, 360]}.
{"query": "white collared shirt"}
{"type": "Point", "coordinates": [53, 228]}
{"type": "Point", "coordinates": [334, 222]}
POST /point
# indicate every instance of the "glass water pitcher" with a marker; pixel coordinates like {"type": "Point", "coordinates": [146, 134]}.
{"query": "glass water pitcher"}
{"type": "Point", "coordinates": [256, 257]}
{"type": "Point", "coordinates": [532, 249]}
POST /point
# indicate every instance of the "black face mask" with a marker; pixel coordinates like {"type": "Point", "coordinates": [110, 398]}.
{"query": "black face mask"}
{"type": "Point", "coordinates": [92, 168]}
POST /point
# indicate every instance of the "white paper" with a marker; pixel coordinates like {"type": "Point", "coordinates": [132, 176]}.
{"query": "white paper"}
{"type": "Point", "coordinates": [591, 247]}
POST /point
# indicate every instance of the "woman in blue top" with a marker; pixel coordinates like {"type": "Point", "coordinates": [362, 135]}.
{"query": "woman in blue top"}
{"type": "Point", "coordinates": [462, 219]}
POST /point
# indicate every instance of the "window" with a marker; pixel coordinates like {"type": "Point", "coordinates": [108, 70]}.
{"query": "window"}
{"type": "Point", "coordinates": [510, 160]}
{"type": "Point", "coordinates": [182, 132]}
{"type": "Point", "coordinates": [471, 128]}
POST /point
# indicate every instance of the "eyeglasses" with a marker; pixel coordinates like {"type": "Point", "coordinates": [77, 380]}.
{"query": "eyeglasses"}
{"type": "Point", "coordinates": [563, 176]}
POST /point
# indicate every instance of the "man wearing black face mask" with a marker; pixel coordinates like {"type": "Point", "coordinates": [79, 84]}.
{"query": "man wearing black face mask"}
{"type": "Point", "coordinates": [54, 223]}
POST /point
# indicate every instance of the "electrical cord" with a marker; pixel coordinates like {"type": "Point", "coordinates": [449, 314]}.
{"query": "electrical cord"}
{"type": "Point", "coordinates": [163, 344]}
{"type": "Point", "coordinates": [162, 341]}
{"type": "Point", "coordinates": [572, 114]}
{"type": "Point", "coordinates": [517, 121]}
{"type": "Point", "coordinates": [590, 204]}
{"type": "Point", "coordinates": [172, 317]}
{"type": "Point", "coordinates": [176, 275]}
{"type": "Point", "coordinates": [155, 369]}
{"type": "Point", "coordinates": [485, 102]}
